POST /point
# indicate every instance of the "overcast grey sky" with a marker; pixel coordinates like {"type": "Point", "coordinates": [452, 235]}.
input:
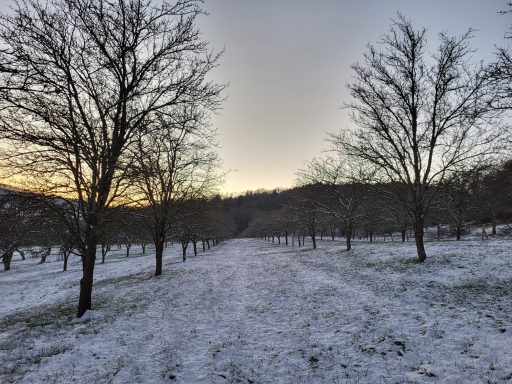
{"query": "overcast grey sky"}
{"type": "Point", "coordinates": [287, 62]}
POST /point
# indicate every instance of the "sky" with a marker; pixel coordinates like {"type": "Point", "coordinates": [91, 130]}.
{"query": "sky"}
{"type": "Point", "coordinates": [287, 63]}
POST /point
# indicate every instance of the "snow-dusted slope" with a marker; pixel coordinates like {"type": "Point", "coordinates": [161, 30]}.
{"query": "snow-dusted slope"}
{"type": "Point", "coordinates": [254, 312]}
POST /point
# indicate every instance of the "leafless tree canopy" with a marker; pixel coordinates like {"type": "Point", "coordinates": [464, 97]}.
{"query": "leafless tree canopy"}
{"type": "Point", "coordinates": [419, 116]}
{"type": "Point", "coordinates": [340, 185]}
{"type": "Point", "coordinates": [174, 163]}
{"type": "Point", "coordinates": [81, 80]}
{"type": "Point", "coordinates": [86, 76]}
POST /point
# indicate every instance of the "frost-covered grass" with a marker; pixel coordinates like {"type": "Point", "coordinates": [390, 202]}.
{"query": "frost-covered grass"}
{"type": "Point", "coordinates": [252, 312]}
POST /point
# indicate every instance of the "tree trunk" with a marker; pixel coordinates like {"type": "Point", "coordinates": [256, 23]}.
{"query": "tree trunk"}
{"type": "Point", "coordinates": [159, 252]}
{"type": "Point", "coordinates": [65, 256]}
{"type": "Point", "coordinates": [208, 243]}
{"type": "Point", "coordinates": [128, 246]}
{"type": "Point", "coordinates": [493, 223]}
{"type": "Point", "coordinates": [286, 238]}
{"type": "Point", "coordinates": [184, 245]}
{"type": "Point", "coordinates": [204, 245]}
{"type": "Point", "coordinates": [313, 239]}
{"type": "Point", "coordinates": [88, 261]}
{"type": "Point", "coordinates": [143, 245]}
{"type": "Point", "coordinates": [418, 235]}
{"type": "Point", "coordinates": [7, 264]}
{"type": "Point", "coordinates": [404, 231]}
{"type": "Point", "coordinates": [484, 233]}
{"type": "Point", "coordinates": [458, 232]}
{"type": "Point", "coordinates": [194, 243]}
{"type": "Point", "coordinates": [104, 251]}
{"type": "Point", "coordinates": [44, 255]}
{"type": "Point", "coordinates": [6, 260]}
{"type": "Point", "coordinates": [348, 234]}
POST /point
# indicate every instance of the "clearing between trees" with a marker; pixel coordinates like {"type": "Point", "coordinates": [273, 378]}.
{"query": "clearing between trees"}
{"type": "Point", "coordinates": [250, 311]}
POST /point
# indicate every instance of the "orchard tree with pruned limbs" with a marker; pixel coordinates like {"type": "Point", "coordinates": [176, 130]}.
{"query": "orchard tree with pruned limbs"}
{"type": "Point", "coordinates": [341, 188]}
{"type": "Point", "coordinates": [420, 116]}
{"type": "Point", "coordinates": [79, 82]}
{"type": "Point", "coordinates": [304, 207]}
{"type": "Point", "coordinates": [20, 217]}
{"type": "Point", "coordinates": [174, 163]}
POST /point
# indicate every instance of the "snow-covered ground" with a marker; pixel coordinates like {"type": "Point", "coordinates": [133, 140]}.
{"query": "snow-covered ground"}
{"type": "Point", "coordinates": [252, 312]}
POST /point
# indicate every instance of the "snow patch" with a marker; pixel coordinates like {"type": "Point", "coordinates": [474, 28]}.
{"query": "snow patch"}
{"type": "Point", "coordinates": [86, 317]}
{"type": "Point", "coordinates": [254, 312]}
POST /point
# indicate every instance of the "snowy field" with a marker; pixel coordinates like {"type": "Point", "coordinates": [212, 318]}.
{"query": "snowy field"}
{"type": "Point", "coordinates": [252, 312]}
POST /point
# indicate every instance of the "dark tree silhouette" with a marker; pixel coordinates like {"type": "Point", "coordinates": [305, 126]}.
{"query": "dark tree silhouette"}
{"type": "Point", "coordinates": [80, 80]}
{"type": "Point", "coordinates": [419, 116]}
{"type": "Point", "coordinates": [341, 189]}
{"type": "Point", "coordinates": [166, 169]}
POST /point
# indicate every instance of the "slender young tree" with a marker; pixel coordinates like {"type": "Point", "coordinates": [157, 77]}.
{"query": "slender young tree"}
{"type": "Point", "coordinates": [418, 116]}
{"type": "Point", "coordinates": [341, 188]}
{"type": "Point", "coordinates": [20, 217]}
{"type": "Point", "coordinates": [177, 164]}
{"type": "Point", "coordinates": [79, 81]}
{"type": "Point", "coordinates": [306, 210]}
{"type": "Point", "coordinates": [460, 199]}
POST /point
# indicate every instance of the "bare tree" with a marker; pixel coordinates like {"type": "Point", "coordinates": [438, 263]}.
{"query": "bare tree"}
{"type": "Point", "coordinates": [167, 169]}
{"type": "Point", "coordinates": [307, 213]}
{"type": "Point", "coordinates": [418, 116]}
{"type": "Point", "coordinates": [459, 200]}
{"type": "Point", "coordinates": [393, 210]}
{"type": "Point", "coordinates": [496, 191]}
{"type": "Point", "coordinates": [340, 190]}
{"type": "Point", "coordinates": [126, 227]}
{"type": "Point", "coordinates": [213, 222]}
{"type": "Point", "coordinates": [80, 80]}
{"type": "Point", "coordinates": [19, 218]}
